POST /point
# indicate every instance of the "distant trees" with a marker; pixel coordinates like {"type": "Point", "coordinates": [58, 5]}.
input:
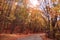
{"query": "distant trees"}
{"type": "Point", "coordinates": [18, 17]}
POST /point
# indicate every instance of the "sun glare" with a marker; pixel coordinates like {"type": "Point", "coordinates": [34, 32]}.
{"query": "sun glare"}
{"type": "Point", "coordinates": [34, 3]}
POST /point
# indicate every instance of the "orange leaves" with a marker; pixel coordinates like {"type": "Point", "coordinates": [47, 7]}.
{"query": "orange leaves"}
{"type": "Point", "coordinates": [53, 0]}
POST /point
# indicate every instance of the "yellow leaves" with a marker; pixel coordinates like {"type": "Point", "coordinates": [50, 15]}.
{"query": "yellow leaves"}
{"type": "Point", "coordinates": [16, 0]}
{"type": "Point", "coordinates": [4, 6]}
{"type": "Point", "coordinates": [57, 7]}
{"type": "Point", "coordinates": [42, 21]}
{"type": "Point", "coordinates": [12, 13]}
{"type": "Point", "coordinates": [55, 10]}
{"type": "Point", "coordinates": [59, 11]}
{"type": "Point", "coordinates": [11, 17]}
{"type": "Point", "coordinates": [53, 0]}
{"type": "Point", "coordinates": [36, 15]}
{"type": "Point", "coordinates": [25, 2]}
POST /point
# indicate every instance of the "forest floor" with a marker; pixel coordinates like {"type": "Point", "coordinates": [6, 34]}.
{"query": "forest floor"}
{"type": "Point", "coordinates": [40, 36]}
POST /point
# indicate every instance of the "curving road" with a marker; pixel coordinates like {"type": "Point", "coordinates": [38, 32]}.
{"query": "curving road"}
{"type": "Point", "coordinates": [23, 37]}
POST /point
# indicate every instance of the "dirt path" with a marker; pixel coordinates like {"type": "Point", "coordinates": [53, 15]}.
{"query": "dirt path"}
{"type": "Point", "coordinates": [23, 37]}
